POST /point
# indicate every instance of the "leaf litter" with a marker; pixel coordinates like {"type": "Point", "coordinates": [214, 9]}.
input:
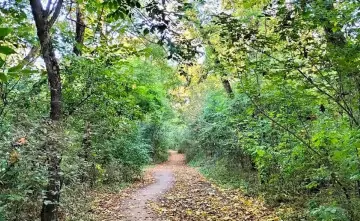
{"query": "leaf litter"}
{"type": "Point", "coordinates": [189, 198]}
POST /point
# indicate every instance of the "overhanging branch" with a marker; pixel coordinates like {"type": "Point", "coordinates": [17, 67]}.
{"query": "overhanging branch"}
{"type": "Point", "coordinates": [56, 13]}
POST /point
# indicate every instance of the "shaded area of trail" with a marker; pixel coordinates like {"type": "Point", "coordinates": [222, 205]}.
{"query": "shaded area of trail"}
{"type": "Point", "coordinates": [136, 205]}
{"type": "Point", "coordinates": [178, 192]}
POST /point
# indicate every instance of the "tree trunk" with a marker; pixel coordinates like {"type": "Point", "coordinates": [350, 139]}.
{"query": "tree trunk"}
{"type": "Point", "coordinates": [43, 24]}
{"type": "Point", "coordinates": [47, 51]}
{"type": "Point", "coordinates": [49, 210]}
{"type": "Point", "coordinates": [227, 87]}
{"type": "Point", "coordinates": [80, 30]}
{"type": "Point", "coordinates": [86, 142]}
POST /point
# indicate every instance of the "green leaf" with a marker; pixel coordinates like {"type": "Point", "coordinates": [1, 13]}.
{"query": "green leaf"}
{"type": "Point", "coordinates": [79, 46]}
{"type": "Point", "coordinates": [29, 71]}
{"type": "Point", "coordinates": [15, 68]}
{"type": "Point", "coordinates": [6, 50]}
{"type": "Point", "coordinates": [3, 77]}
{"type": "Point", "coordinates": [4, 32]}
{"type": "Point", "coordinates": [15, 197]}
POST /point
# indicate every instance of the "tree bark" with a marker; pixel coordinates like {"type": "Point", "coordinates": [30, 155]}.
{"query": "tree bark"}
{"type": "Point", "coordinates": [86, 143]}
{"type": "Point", "coordinates": [49, 211]}
{"type": "Point", "coordinates": [227, 87]}
{"type": "Point", "coordinates": [80, 30]}
{"type": "Point", "coordinates": [43, 26]}
{"type": "Point", "coordinates": [43, 23]}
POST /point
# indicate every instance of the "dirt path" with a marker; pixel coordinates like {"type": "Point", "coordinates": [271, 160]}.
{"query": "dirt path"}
{"type": "Point", "coordinates": [136, 204]}
{"type": "Point", "coordinates": [180, 193]}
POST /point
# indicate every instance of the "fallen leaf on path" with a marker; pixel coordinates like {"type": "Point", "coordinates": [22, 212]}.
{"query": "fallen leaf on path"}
{"type": "Point", "coordinates": [193, 198]}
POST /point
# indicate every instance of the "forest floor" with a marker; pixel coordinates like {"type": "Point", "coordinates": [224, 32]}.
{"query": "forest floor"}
{"type": "Point", "coordinates": [174, 191]}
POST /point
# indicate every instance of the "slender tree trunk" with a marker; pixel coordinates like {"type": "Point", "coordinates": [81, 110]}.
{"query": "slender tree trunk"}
{"type": "Point", "coordinates": [47, 51]}
{"type": "Point", "coordinates": [80, 30]}
{"type": "Point", "coordinates": [51, 201]}
{"type": "Point", "coordinates": [86, 142]}
{"type": "Point", "coordinates": [43, 23]}
{"type": "Point", "coordinates": [227, 87]}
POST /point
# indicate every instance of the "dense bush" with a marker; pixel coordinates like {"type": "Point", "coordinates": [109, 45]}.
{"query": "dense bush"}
{"type": "Point", "coordinates": [237, 145]}
{"type": "Point", "coordinates": [287, 123]}
{"type": "Point", "coordinates": [109, 133]}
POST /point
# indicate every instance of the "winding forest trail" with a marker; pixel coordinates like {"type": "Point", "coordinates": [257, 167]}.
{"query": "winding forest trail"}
{"type": "Point", "coordinates": [174, 191]}
{"type": "Point", "coordinates": [136, 204]}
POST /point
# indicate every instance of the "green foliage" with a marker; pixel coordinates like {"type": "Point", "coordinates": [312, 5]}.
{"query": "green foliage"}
{"type": "Point", "coordinates": [115, 106]}
{"type": "Point", "coordinates": [286, 128]}
{"type": "Point", "coordinates": [329, 213]}
{"type": "Point", "coordinates": [292, 123]}
{"type": "Point", "coordinates": [236, 145]}
{"type": "Point", "coordinates": [112, 128]}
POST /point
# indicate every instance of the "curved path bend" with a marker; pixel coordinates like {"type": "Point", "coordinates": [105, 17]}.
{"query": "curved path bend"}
{"type": "Point", "coordinates": [136, 204]}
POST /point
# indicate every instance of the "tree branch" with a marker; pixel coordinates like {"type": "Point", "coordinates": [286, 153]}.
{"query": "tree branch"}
{"type": "Point", "coordinates": [53, 8]}
{"type": "Point", "coordinates": [37, 10]}
{"type": "Point", "coordinates": [56, 13]}
{"type": "Point", "coordinates": [282, 126]}
{"type": "Point", "coordinates": [344, 108]}
{"type": "Point", "coordinates": [78, 105]}
{"type": "Point", "coordinates": [47, 10]}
